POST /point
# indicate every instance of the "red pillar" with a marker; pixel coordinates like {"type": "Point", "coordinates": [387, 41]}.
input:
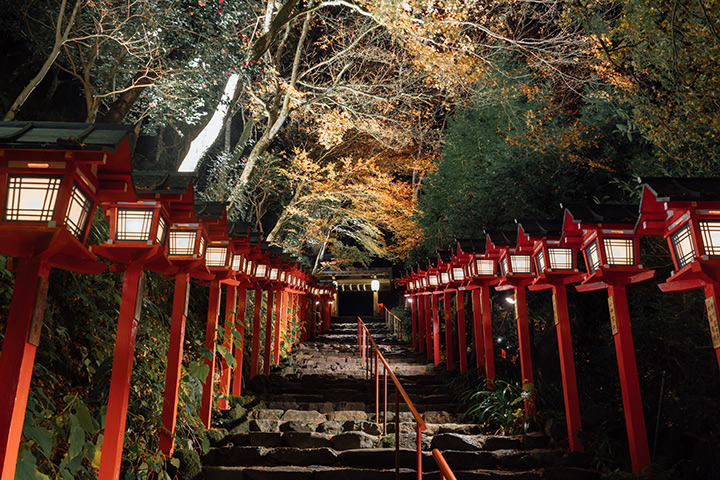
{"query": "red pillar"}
{"type": "Point", "coordinates": [629, 382]}
{"type": "Point", "coordinates": [486, 307]}
{"type": "Point", "coordinates": [174, 362]}
{"type": "Point", "coordinates": [240, 344]}
{"type": "Point", "coordinates": [287, 299]}
{"type": "Point", "coordinates": [130, 307]}
{"type": "Point", "coordinates": [210, 339]}
{"type": "Point", "coordinates": [328, 314]}
{"type": "Point", "coordinates": [477, 328]}
{"type": "Point", "coordinates": [711, 291]}
{"type": "Point", "coordinates": [268, 333]}
{"type": "Point", "coordinates": [230, 308]}
{"type": "Point", "coordinates": [420, 300]}
{"type": "Point", "coordinates": [22, 332]}
{"type": "Point", "coordinates": [429, 326]}
{"type": "Point", "coordinates": [278, 321]}
{"type": "Point", "coordinates": [255, 350]}
{"type": "Point", "coordinates": [435, 329]}
{"type": "Point", "coordinates": [413, 314]}
{"type": "Point", "coordinates": [567, 367]}
{"type": "Point", "coordinates": [462, 347]}
{"type": "Point", "coordinates": [311, 317]}
{"type": "Point", "coordinates": [523, 329]}
{"type": "Point", "coordinates": [449, 360]}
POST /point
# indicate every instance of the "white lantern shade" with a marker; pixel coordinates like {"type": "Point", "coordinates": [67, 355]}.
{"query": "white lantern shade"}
{"type": "Point", "coordinates": [31, 199]}
{"type": "Point", "coordinates": [433, 280]}
{"type": "Point", "coordinates": [540, 261]}
{"type": "Point", "coordinates": [520, 264]}
{"type": "Point", "coordinates": [283, 277]}
{"type": "Point", "coordinates": [592, 257]}
{"type": "Point", "coordinates": [375, 285]}
{"type": "Point", "coordinates": [560, 258]}
{"type": "Point", "coordinates": [444, 277]}
{"type": "Point", "coordinates": [458, 274]}
{"type": "Point", "coordinates": [216, 256]}
{"type": "Point", "coordinates": [484, 267]}
{"type": "Point", "coordinates": [274, 273]}
{"type": "Point", "coordinates": [683, 246]}
{"type": "Point", "coordinates": [182, 242]}
{"type": "Point", "coordinates": [619, 251]}
{"type": "Point", "coordinates": [261, 270]}
{"type": "Point", "coordinates": [710, 233]}
{"type": "Point", "coordinates": [134, 224]}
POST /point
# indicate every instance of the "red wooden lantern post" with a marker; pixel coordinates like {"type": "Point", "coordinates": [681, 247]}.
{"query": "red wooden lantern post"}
{"type": "Point", "coordinates": [516, 273]}
{"type": "Point", "coordinates": [240, 239]}
{"type": "Point", "coordinates": [480, 277]}
{"type": "Point", "coordinates": [417, 288]}
{"type": "Point", "coordinates": [138, 232]}
{"type": "Point", "coordinates": [186, 250]}
{"type": "Point", "coordinates": [611, 250]}
{"type": "Point", "coordinates": [52, 176]}
{"type": "Point", "coordinates": [272, 343]}
{"type": "Point", "coordinates": [410, 288]}
{"type": "Point", "coordinates": [687, 212]}
{"type": "Point", "coordinates": [434, 292]}
{"type": "Point", "coordinates": [458, 280]}
{"type": "Point", "coordinates": [259, 267]}
{"type": "Point", "coordinates": [556, 267]}
{"type": "Point", "coordinates": [444, 262]}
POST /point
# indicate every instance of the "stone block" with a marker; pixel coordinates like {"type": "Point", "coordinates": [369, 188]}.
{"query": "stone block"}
{"type": "Point", "coordinates": [267, 414]}
{"type": "Point", "coordinates": [459, 460]}
{"type": "Point", "coordinates": [306, 440]}
{"type": "Point", "coordinates": [344, 415]}
{"type": "Point", "coordinates": [353, 440]}
{"type": "Point", "coordinates": [496, 442]}
{"type": "Point", "coordinates": [265, 439]}
{"type": "Point", "coordinates": [301, 456]}
{"type": "Point", "coordinates": [437, 417]}
{"type": "Point", "coordinates": [264, 425]}
{"type": "Point", "coordinates": [456, 441]}
{"type": "Point", "coordinates": [303, 416]}
{"type": "Point", "coordinates": [515, 460]}
{"type": "Point", "coordinates": [330, 427]}
{"type": "Point", "coordinates": [298, 426]}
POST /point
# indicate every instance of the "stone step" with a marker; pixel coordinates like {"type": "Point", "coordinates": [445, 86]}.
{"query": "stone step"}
{"type": "Point", "coordinates": [234, 460]}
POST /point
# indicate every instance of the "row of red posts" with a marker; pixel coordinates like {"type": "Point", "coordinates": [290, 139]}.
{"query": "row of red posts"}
{"type": "Point", "coordinates": [53, 176]}
{"type": "Point", "coordinates": [542, 255]}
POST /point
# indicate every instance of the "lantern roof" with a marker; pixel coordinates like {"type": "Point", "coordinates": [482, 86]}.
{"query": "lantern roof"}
{"type": "Point", "coordinates": [255, 238]}
{"type": "Point", "coordinates": [602, 214]}
{"type": "Point", "coordinates": [673, 189]}
{"type": "Point", "coordinates": [63, 135]}
{"type": "Point", "coordinates": [444, 256]}
{"type": "Point", "coordinates": [499, 240]}
{"type": "Point", "coordinates": [274, 251]}
{"type": "Point", "coordinates": [238, 229]}
{"type": "Point", "coordinates": [210, 210]}
{"type": "Point", "coordinates": [540, 229]}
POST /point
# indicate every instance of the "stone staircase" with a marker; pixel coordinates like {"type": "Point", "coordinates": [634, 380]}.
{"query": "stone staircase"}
{"type": "Point", "coordinates": [314, 420]}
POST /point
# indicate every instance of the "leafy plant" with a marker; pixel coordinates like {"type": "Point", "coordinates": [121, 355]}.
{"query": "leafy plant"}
{"type": "Point", "coordinates": [500, 409]}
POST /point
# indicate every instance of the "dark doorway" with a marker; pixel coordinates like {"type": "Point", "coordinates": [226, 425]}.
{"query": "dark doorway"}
{"type": "Point", "coordinates": [355, 304]}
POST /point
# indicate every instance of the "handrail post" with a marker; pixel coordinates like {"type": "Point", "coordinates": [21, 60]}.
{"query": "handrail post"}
{"type": "Point", "coordinates": [418, 434]}
{"type": "Point", "coordinates": [377, 389]}
{"type": "Point", "coordinates": [385, 403]}
{"type": "Point", "coordinates": [397, 434]}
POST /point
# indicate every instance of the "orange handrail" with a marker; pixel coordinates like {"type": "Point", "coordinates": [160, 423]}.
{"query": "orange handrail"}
{"type": "Point", "coordinates": [395, 320]}
{"type": "Point", "coordinates": [363, 336]}
{"type": "Point", "coordinates": [445, 472]}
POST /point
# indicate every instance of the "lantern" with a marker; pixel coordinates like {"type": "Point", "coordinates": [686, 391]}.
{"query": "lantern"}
{"type": "Point", "coordinates": [186, 240]}
{"type": "Point", "coordinates": [606, 235]}
{"type": "Point", "coordinates": [687, 212]}
{"type": "Point", "coordinates": [375, 285]}
{"type": "Point", "coordinates": [218, 254]}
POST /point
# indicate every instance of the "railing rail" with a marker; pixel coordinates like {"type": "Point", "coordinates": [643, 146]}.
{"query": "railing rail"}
{"type": "Point", "coordinates": [366, 344]}
{"type": "Point", "coordinates": [393, 322]}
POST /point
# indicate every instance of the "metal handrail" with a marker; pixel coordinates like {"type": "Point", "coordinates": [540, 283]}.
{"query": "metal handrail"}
{"type": "Point", "coordinates": [445, 472]}
{"type": "Point", "coordinates": [391, 318]}
{"type": "Point", "coordinates": [363, 337]}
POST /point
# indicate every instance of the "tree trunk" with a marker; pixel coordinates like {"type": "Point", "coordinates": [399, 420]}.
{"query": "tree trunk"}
{"type": "Point", "coordinates": [120, 107]}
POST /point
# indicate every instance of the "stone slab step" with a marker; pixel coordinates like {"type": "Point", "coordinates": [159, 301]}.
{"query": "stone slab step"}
{"type": "Point", "coordinates": [331, 473]}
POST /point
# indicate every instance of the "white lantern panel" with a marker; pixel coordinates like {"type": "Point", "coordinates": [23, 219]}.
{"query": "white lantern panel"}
{"type": "Point", "coordinates": [433, 279]}
{"type": "Point", "coordinates": [237, 263]}
{"type": "Point", "coordinates": [134, 224]}
{"type": "Point", "coordinates": [458, 274]}
{"type": "Point", "coordinates": [540, 260]}
{"type": "Point", "coordinates": [31, 199]}
{"type": "Point", "coordinates": [619, 251]}
{"type": "Point", "coordinates": [592, 257]}
{"type": "Point", "coordinates": [520, 263]}
{"type": "Point", "coordinates": [182, 242]}
{"type": "Point", "coordinates": [216, 256]}
{"type": "Point", "coordinates": [504, 266]}
{"type": "Point", "coordinates": [78, 212]}
{"type": "Point", "coordinates": [274, 272]}
{"type": "Point", "coordinates": [261, 271]}
{"type": "Point", "coordinates": [683, 245]}
{"type": "Point", "coordinates": [283, 276]}
{"type": "Point", "coordinates": [444, 277]}
{"type": "Point", "coordinates": [710, 232]}
{"type": "Point", "coordinates": [249, 267]}
{"type": "Point", "coordinates": [561, 258]}
{"type": "Point", "coordinates": [162, 228]}
{"type": "Point", "coordinates": [485, 267]}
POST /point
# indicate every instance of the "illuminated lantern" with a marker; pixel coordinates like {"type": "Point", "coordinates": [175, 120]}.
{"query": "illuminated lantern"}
{"type": "Point", "coordinates": [52, 176]}
{"type": "Point", "coordinates": [555, 269]}
{"type": "Point", "coordinates": [686, 211]}
{"type": "Point", "coordinates": [516, 273]}
{"type": "Point", "coordinates": [606, 235]}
